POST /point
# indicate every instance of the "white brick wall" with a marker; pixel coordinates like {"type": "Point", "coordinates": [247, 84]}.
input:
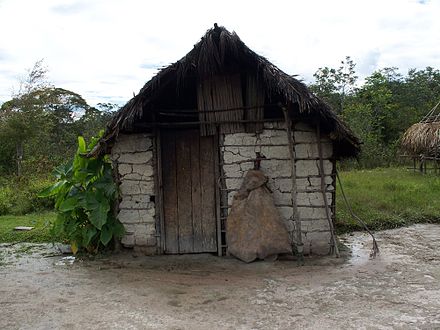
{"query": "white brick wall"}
{"type": "Point", "coordinates": [240, 149]}
{"type": "Point", "coordinates": [132, 155]}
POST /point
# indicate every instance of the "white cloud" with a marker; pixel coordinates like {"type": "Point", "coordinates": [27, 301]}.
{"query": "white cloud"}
{"type": "Point", "coordinates": [106, 50]}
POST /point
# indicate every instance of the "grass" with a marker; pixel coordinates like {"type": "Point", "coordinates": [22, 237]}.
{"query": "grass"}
{"type": "Point", "coordinates": [384, 198]}
{"type": "Point", "coordinates": [40, 221]}
{"type": "Point", "coordinates": [387, 198]}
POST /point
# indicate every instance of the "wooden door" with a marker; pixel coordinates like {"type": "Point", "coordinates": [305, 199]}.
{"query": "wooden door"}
{"type": "Point", "coordinates": [188, 191]}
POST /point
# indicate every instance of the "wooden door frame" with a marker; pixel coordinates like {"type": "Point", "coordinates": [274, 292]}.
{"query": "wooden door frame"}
{"type": "Point", "coordinates": [160, 219]}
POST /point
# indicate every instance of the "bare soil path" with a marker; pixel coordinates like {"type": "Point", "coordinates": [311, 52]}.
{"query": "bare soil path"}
{"type": "Point", "coordinates": [398, 290]}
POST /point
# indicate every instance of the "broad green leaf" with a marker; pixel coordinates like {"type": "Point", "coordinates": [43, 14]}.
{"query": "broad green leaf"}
{"type": "Point", "coordinates": [81, 145]}
{"type": "Point", "coordinates": [52, 190]}
{"type": "Point", "coordinates": [106, 235]}
{"type": "Point", "coordinates": [89, 233]}
{"type": "Point", "coordinates": [68, 204]}
{"type": "Point", "coordinates": [98, 216]}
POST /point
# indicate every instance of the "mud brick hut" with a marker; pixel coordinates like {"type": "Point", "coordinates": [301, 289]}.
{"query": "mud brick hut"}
{"type": "Point", "coordinates": [181, 147]}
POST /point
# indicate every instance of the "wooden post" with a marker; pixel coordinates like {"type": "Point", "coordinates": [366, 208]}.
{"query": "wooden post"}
{"type": "Point", "coordinates": [160, 225]}
{"type": "Point", "coordinates": [296, 218]}
{"type": "Point", "coordinates": [217, 193]}
{"type": "Point", "coordinates": [324, 193]}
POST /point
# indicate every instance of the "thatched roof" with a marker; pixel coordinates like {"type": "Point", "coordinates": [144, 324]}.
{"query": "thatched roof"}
{"type": "Point", "coordinates": [220, 51]}
{"type": "Point", "coordinates": [423, 138]}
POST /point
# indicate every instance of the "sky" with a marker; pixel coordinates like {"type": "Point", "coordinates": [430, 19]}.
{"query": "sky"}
{"type": "Point", "coordinates": [107, 50]}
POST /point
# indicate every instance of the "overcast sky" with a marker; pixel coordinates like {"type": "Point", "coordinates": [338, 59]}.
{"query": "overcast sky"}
{"type": "Point", "coordinates": [106, 50]}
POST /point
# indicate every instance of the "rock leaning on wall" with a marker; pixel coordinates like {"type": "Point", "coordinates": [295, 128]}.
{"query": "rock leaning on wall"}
{"type": "Point", "coordinates": [238, 151]}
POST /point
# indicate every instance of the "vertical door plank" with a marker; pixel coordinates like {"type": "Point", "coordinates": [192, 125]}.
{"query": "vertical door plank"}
{"type": "Point", "coordinates": [207, 180]}
{"type": "Point", "coordinates": [196, 193]}
{"type": "Point", "coordinates": [169, 182]}
{"type": "Point", "coordinates": [184, 203]}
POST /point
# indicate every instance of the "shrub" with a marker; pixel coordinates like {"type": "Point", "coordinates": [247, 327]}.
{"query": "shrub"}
{"type": "Point", "coordinates": [19, 196]}
{"type": "Point", "coordinates": [84, 195]}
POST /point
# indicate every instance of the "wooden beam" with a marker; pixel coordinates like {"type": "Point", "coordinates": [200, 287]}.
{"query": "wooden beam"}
{"type": "Point", "coordinates": [324, 194]}
{"type": "Point", "coordinates": [294, 194]}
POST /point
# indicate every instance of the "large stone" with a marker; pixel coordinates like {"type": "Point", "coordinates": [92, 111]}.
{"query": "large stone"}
{"type": "Point", "coordinates": [145, 229]}
{"type": "Point", "coordinates": [314, 225]}
{"type": "Point", "coordinates": [132, 143]}
{"type": "Point", "coordinates": [233, 171]}
{"type": "Point", "coordinates": [246, 166]}
{"type": "Point", "coordinates": [234, 139]}
{"type": "Point", "coordinates": [135, 202]}
{"type": "Point", "coordinates": [272, 133]}
{"type": "Point", "coordinates": [282, 198]}
{"type": "Point", "coordinates": [248, 152]}
{"type": "Point", "coordinates": [313, 199]}
{"type": "Point", "coordinates": [278, 152]}
{"type": "Point", "coordinates": [276, 168]}
{"type": "Point", "coordinates": [144, 170]}
{"type": "Point", "coordinates": [114, 156]}
{"type": "Point", "coordinates": [254, 228]}
{"type": "Point", "coordinates": [230, 157]}
{"type": "Point", "coordinates": [281, 184]}
{"type": "Point", "coordinates": [130, 187]}
{"type": "Point", "coordinates": [233, 183]}
{"type": "Point", "coordinates": [317, 243]}
{"type": "Point", "coordinates": [286, 212]}
{"type": "Point", "coordinates": [310, 150]}
{"type": "Point", "coordinates": [147, 187]}
{"type": "Point", "coordinates": [129, 216]}
{"type": "Point", "coordinates": [135, 176]}
{"type": "Point", "coordinates": [136, 157]}
{"type": "Point", "coordinates": [128, 240]}
{"type": "Point", "coordinates": [134, 187]}
{"type": "Point", "coordinates": [312, 213]}
{"type": "Point", "coordinates": [305, 137]}
{"type": "Point", "coordinates": [147, 216]}
{"type": "Point", "coordinates": [145, 240]}
{"type": "Point", "coordinates": [124, 169]}
{"type": "Point", "coordinates": [310, 167]}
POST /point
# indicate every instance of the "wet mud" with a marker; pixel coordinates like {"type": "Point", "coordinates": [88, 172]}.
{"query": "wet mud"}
{"type": "Point", "coordinates": [400, 289]}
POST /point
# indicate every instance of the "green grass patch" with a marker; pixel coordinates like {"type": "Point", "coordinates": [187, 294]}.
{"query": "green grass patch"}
{"type": "Point", "coordinates": [40, 221]}
{"type": "Point", "coordinates": [387, 198]}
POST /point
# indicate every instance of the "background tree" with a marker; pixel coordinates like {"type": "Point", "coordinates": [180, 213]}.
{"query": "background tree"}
{"type": "Point", "coordinates": [40, 124]}
{"type": "Point", "coordinates": [334, 85]}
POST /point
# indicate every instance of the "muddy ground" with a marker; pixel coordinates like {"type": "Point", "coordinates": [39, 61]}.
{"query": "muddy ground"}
{"type": "Point", "coordinates": [400, 289]}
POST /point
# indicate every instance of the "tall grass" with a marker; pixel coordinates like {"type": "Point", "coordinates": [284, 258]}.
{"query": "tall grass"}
{"type": "Point", "coordinates": [387, 198]}
{"type": "Point", "coordinates": [18, 196]}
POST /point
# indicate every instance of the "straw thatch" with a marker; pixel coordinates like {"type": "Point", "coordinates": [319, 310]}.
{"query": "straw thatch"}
{"type": "Point", "coordinates": [221, 53]}
{"type": "Point", "coordinates": [422, 139]}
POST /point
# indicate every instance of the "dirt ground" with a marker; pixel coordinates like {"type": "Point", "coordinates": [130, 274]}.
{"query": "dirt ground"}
{"type": "Point", "coordinates": [400, 289]}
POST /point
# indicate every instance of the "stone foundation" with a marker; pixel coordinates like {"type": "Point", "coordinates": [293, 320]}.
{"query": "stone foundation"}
{"type": "Point", "coordinates": [132, 157]}
{"type": "Point", "coordinates": [238, 152]}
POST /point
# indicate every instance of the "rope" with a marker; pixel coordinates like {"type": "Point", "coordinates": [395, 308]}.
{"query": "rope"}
{"type": "Point", "coordinates": [431, 113]}
{"type": "Point", "coordinates": [375, 251]}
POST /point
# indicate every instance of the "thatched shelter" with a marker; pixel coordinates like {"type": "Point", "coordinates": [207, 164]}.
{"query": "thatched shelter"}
{"type": "Point", "coordinates": [421, 141]}
{"type": "Point", "coordinates": [182, 146]}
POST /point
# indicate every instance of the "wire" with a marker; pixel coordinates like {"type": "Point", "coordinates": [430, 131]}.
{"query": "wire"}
{"type": "Point", "coordinates": [375, 251]}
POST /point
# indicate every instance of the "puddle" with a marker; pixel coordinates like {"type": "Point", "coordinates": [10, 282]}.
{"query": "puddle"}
{"type": "Point", "coordinates": [65, 261]}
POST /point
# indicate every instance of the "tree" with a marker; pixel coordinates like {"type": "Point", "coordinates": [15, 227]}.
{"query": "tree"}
{"type": "Point", "coordinates": [39, 125]}
{"type": "Point", "coordinates": [333, 85]}
{"type": "Point", "coordinates": [22, 117]}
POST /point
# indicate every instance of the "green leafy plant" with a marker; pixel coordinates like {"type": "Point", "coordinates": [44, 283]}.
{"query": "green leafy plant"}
{"type": "Point", "coordinates": [84, 195]}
